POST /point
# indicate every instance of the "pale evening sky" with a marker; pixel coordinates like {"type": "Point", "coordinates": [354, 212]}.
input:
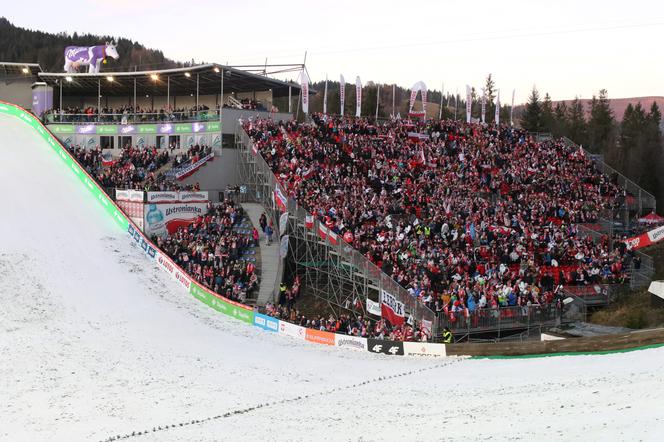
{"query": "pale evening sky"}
{"type": "Point", "coordinates": [566, 47]}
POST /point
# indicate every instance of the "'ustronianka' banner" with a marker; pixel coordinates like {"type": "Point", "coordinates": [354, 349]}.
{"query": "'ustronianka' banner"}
{"type": "Point", "coordinates": [646, 239]}
{"type": "Point", "coordinates": [168, 217]}
{"type": "Point", "coordinates": [178, 197]}
{"type": "Point", "coordinates": [392, 309]}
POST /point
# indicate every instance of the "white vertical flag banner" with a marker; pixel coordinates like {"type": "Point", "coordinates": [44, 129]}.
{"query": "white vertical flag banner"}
{"type": "Point", "coordinates": [358, 95]}
{"type": "Point", "coordinates": [342, 93]}
{"type": "Point", "coordinates": [512, 109]}
{"type": "Point", "coordinates": [305, 93]}
{"type": "Point", "coordinates": [325, 98]}
{"type": "Point", "coordinates": [483, 105]}
{"type": "Point", "coordinates": [469, 103]}
{"type": "Point", "coordinates": [498, 107]}
{"type": "Point", "coordinates": [377, 100]}
{"type": "Point", "coordinates": [440, 110]}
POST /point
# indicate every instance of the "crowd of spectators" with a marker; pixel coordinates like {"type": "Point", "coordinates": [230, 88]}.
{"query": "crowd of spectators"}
{"type": "Point", "coordinates": [209, 250]}
{"type": "Point", "coordinates": [192, 154]}
{"type": "Point", "coordinates": [464, 216]}
{"type": "Point", "coordinates": [134, 169]}
{"type": "Point", "coordinates": [129, 114]}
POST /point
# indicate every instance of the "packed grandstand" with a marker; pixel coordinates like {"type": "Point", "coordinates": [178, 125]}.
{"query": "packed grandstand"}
{"type": "Point", "coordinates": [471, 219]}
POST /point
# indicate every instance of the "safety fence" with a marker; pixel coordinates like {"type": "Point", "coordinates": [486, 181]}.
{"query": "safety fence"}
{"type": "Point", "coordinates": [499, 320]}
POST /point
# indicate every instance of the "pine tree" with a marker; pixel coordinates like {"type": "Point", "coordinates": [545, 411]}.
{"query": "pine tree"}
{"type": "Point", "coordinates": [531, 119]}
{"type": "Point", "coordinates": [560, 126]}
{"type": "Point", "coordinates": [547, 120]}
{"type": "Point", "coordinates": [602, 124]}
{"type": "Point", "coordinates": [576, 123]}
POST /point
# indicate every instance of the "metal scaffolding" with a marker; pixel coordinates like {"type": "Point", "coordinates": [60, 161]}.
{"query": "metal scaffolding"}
{"type": "Point", "coordinates": [336, 273]}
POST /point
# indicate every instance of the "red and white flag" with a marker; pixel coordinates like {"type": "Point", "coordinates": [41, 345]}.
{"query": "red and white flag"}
{"type": "Point", "coordinates": [392, 309]}
{"type": "Point", "coordinates": [279, 198]}
{"type": "Point", "coordinates": [309, 221]}
{"type": "Point", "coordinates": [254, 149]}
{"type": "Point", "coordinates": [322, 231]}
{"type": "Point", "coordinates": [333, 237]}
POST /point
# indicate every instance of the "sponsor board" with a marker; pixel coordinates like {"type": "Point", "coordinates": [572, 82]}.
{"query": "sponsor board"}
{"type": "Point", "coordinates": [166, 264]}
{"type": "Point", "coordinates": [163, 218]}
{"type": "Point", "coordinates": [293, 330]}
{"type": "Point", "coordinates": [229, 308]}
{"type": "Point", "coordinates": [187, 197]}
{"type": "Point", "coordinates": [266, 322]}
{"type": "Point", "coordinates": [142, 242]}
{"type": "Point", "coordinates": [352, 342]}
{"type": "Point", "coordinates": [163, 197]}
{"type": "Point", "coordinates": [393, 348]}
{"type": "Point", "coordinates": [426, 349]}
{"type": "Point", "coordinates": [319, 337]}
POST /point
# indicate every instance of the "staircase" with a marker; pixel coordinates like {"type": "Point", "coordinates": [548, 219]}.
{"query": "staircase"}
{"type": "Point", "coordinates": [269, 267]}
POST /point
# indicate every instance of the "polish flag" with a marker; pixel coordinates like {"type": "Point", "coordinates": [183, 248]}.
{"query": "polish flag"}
{"type": "Point", "coordinates": [309, 221]}
{"type": "Point", "coordinates": [333, 237]}
{"type": "Point", "coordinates": [322, 231]}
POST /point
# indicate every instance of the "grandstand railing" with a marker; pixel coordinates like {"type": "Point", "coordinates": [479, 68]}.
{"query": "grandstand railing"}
{"type": "Point", "coordinates": [345, 254]}
{"type": "Point", "coordinates": [505, 319]}
{"type": "Point", "coordinates": [133, 118]}
{"type": "Point", "coordinates": [643, 199]}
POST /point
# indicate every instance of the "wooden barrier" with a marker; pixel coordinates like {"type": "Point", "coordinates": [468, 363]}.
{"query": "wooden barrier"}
{"type": "Point", "coordinates": [595, 344]}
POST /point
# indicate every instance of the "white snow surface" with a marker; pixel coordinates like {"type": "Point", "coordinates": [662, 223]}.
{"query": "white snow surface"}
{"type": "Point", "coordinates": [96, 342]}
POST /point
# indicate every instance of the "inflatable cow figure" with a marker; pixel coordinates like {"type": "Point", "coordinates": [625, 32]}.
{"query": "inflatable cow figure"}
{"type": "Point", "coordinates": [91, 56]}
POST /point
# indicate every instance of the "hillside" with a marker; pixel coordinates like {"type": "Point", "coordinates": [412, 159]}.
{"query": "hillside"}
{"type": "Point", "coordinates": [618, 105]}
{"type": "Point", "coordinates": [27, 45]}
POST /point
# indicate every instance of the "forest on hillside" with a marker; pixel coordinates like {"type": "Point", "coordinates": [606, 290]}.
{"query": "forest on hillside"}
{"type": "Point", "coordinates": [30, 46]}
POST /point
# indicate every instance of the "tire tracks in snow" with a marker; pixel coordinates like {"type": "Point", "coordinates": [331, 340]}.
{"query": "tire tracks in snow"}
{"type": "Point", "coordinates": [246, 410]}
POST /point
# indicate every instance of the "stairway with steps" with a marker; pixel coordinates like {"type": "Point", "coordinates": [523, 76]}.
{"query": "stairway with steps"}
{"type": "Point", "coordinates": [268, 257]}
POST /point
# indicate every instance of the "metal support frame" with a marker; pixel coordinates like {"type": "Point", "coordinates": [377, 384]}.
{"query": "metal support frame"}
{"type": "Point", "coordinates": [338, 274]}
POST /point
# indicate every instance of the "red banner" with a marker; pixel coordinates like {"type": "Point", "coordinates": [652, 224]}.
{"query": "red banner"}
{"type": "Point", "coordinates": [646, 239]}
{"type": "Point", "coordinates": [392, 309]}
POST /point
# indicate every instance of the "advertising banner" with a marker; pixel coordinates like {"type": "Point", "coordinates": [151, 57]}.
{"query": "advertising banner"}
{"type": "Point", "coordinates": [267, 323]}
{"type": "Point", "coordinates": [392, 309]}
{"type": "Point", "coordinates": [469, 103]}
{"type": "Point", "coordinates": [193, 197]}
{"type": "Point", "coordinates": [142, 242]}
{"type": "Point", "coordinates": [427, 349]}
{"type": "Point", "coordinates": [358, 96]}
{"type": "Point", "coordinates": [163, 197]}
{"type": "Point", "coordinates": [319, 337]}
{"type": "Point", "coordinates": [305, 93]}
{"type": "Point", "coordinates": [352, 342]}
{"type": "Point", "coordinates": [342, 93]}
{"type": "Point", "coordinates": [134, 210]}
{"type": "Point", "coordinates": [293, 330]}
{"type": "Point", "coordinates": [393, 348]}
{"type": "Point", "coordinates": [161, 219]}
{"type": "Point", "coordinates": [646, 239]}
{"type": "Point", "coordinates": [244, 314]}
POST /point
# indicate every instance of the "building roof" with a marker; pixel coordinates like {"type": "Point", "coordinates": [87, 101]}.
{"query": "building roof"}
{"type": "Point", "coordinates": [19, 70]}
{"type": "Point", "coordinates": [180, 81]}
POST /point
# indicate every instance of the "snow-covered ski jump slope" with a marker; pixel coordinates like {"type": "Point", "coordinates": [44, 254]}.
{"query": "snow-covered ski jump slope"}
{"type": "Point", "coordinates": [97, 342]}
